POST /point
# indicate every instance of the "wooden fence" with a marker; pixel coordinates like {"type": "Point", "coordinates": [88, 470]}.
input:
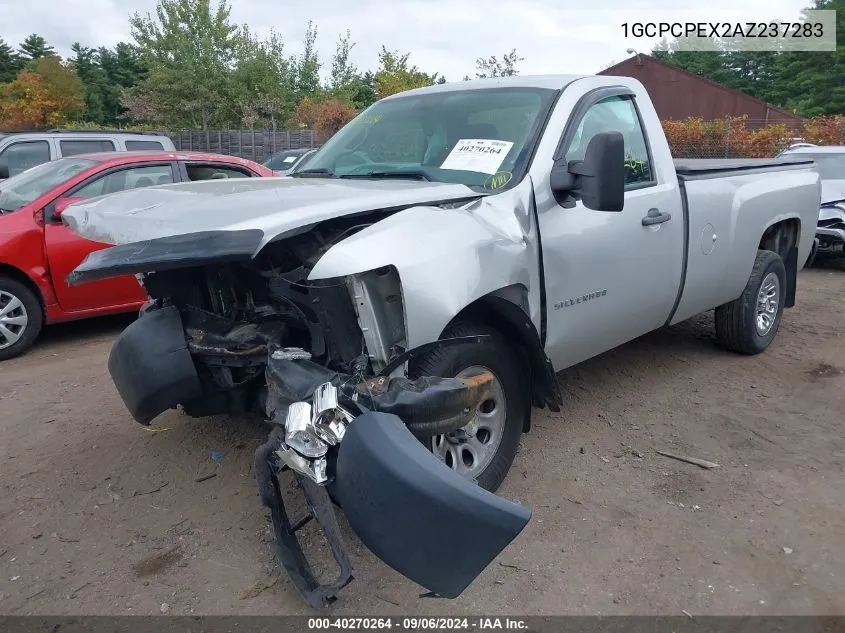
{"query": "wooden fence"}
{"type": "Point", "coordinates": [255, 145]}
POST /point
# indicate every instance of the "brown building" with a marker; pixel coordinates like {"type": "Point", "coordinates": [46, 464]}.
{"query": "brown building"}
{"type": "Point", "coordinates": [678, 94]}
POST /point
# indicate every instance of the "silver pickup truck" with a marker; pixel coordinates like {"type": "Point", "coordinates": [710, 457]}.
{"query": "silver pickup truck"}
{"type": "Point", "coordinates": [397, 308]}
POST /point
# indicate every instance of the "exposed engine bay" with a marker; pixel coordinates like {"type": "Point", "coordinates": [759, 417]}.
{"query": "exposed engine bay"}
{"type": "Point", "coordinates": [326, 363]}
{"type": "Point", "coordinates": [233, 312]}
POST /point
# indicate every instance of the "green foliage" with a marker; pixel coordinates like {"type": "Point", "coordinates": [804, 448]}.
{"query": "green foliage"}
{"type": "Point", "coordinates": [808, 83]}
{"type": "Point", "coordinates": [82, 124]}
{"type": "Point", "coordinates": [395, 75]}
{"type": "Point", "coordinates": [189, 50]}
{"type": "Point", "coordinates": [364, 91]}
{"type": "Point", "coordinates": [191, 67]}
{"type": "Point", "coordinates": [63, 85]}
{"type": "Point", "coordinates": [308, 66]}
{"type": "Point", "coordinates": [35, 47]}
{"type": "Point", "coordinates": [493, 67]}
{"type": "Point", "coordinates": [124, 68]}
{"type": "Point", "coordinates": [344, 74]}
{"type": "Point", "coordinates": [10, 63]}
{"type": "Point", "coordinates": [94, 80]}
{"type": "Point", "coordinates": [48, 95]}
{"type": "Point", "coordinates": [263, 81]}
{"type": "Point", "coordinates": [346, 83]}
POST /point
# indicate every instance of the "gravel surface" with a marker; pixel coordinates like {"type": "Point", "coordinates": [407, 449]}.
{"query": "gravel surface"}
{"type": "Point", "coordinates": [99, 515]}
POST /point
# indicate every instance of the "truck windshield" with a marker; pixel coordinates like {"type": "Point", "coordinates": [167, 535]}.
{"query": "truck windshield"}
{"type": "Point", "coordinates": [33, 183]}
{"type": "Point", "coordinates": [479, 138]}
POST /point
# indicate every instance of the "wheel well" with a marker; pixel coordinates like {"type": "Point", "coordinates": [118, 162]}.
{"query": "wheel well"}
{"type": "Point", "coordinates": [18, 275]}
{"type": "Point", "coordinates": [512, 322]}
{"type": "Point", "coordinates": [782, 238]}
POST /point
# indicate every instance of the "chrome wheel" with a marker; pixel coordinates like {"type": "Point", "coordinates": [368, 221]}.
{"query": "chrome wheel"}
{"type": "Point", "coordinates": [768, 301]}
{"type": "Point", "coordinates": [13, 319]}
{"type": "Point", "coordinates": [470, 449]}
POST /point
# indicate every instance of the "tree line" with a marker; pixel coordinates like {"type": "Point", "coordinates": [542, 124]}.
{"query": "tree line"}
{"type": "Point", "coordinates": [808, 83]}
{"type": "Point", "coordinates": [189, 66]}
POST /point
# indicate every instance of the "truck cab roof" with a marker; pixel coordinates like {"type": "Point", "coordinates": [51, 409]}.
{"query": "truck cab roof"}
{"type": "Point", "coordinates": [551, 82]}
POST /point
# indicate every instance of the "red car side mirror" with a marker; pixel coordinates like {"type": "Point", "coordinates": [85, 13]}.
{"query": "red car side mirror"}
{"type": "Point", "coordinates": [64, 203]}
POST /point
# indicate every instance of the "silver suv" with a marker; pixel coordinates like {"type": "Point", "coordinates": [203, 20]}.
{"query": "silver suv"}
{"type": "Point", "coordinates": [21, 150]}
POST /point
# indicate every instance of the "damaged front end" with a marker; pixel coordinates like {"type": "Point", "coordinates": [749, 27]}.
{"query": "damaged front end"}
{"type": "Point", "coordinates": [349, 437]}
{"type": "Point", "coordinates": [344, 439]}
{"type": "Point", "coordinates": [328, 359]}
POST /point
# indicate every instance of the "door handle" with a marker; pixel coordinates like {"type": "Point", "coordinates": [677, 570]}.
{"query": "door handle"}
{"type": "Point", "coordinates": [656, 217]}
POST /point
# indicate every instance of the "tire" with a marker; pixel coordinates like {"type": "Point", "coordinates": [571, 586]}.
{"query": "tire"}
{"type": "Point", "coordinates": [492, 459]}
{"type": "Point", "coordinates": [737, 321]}
{"type": "Point", "coordinates": [20, 324]}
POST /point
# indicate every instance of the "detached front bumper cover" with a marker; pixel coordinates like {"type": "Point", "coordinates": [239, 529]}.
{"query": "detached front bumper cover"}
{"type": "Point", "coordinates": [412, 511]}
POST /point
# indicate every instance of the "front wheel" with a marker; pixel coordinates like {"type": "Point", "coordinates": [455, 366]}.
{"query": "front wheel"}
{"type": "Point", "coordinates": [21, 318]}
{"type": "Point", "coordinates": [485, 448]}
{"type": "Point", "coordinates": [749, 324]}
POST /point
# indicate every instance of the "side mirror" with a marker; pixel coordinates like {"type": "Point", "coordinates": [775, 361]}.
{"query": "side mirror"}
{"type": "Point", "coordinates": [599, 179]}
{"type": "Point", "coordinates": [4, 172]}
{"type": "Point", "coordinates": [63, 204]}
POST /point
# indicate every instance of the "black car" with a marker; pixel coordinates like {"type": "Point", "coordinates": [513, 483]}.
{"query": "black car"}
{"type": "Point", "coordinates": [287, 160]}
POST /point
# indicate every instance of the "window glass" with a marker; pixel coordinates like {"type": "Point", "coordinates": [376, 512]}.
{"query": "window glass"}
{"type": "Point", "coordinates": [133, 178]}
{"type": "Point", "coordinates": [306, 159]}
{"type": "Point", "coordinates": [284, 159]}
{"type": "Point", "coordinates": [479, 138]}
{"type": "Point", "coordinates": [22, 189]}
{"type": "Point", "coordinates": [214, 172]}
{"type": "Point", "coordinates": [616, 114]}
{"type": "Point", "coordinates": [72, 148]}
{"type": "Point", "coordinates": [19, 157]}
{"type": "Point", "coordinates": [400, 141]}
{"type": "Point", "coordinates": [132, 146]}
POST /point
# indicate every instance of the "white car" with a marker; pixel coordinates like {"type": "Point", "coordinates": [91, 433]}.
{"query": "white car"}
{"type": "Point", "coordinates": [21, 150]}
{"type": "Point", "coordinates": [830, 159]}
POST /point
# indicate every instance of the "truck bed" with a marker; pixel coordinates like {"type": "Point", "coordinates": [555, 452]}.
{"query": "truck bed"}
{"type": "Point", "coordinates": [728, 206]}
{"type": "Point", "coordinates": [691, 168]}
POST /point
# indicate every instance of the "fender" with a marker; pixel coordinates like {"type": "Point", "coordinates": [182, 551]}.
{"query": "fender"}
{"type": "Point", "coordinates": [784, 236]}
{"type": "Point", "coordinates": [447, 257]}
{"type": "Point", "coordinates": [512, 321]}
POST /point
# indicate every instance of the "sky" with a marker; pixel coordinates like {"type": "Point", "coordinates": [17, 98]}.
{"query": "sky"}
{"type": "Point", "coordinates": [444, 36]}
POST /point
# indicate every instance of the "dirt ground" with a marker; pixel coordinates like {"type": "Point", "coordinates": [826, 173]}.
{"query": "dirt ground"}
{"type": "Point", "coordinates": [99, 515]}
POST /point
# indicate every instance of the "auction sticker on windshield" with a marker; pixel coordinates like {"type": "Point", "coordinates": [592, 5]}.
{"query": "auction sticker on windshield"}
{"type": "Point", "coordinates": [476, 154]}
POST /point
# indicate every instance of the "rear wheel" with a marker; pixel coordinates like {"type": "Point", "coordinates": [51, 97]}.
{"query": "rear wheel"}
{"type": "Point", "coordinates": [21, 318]}
{"type": "Point", "coordinates": [750, 323]}
{"type": "Point", "coordinates": [485, 448]}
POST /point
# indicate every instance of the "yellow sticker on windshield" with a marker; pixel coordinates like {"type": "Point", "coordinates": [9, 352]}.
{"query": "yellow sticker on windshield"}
{"type": "Point", "coordinates": [498, 180]}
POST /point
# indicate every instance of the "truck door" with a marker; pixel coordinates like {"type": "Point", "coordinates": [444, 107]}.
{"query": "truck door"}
{"type": "Point", "coordinates": [66, 250]}
{"type": "Point", "coordinates": [610, 277]}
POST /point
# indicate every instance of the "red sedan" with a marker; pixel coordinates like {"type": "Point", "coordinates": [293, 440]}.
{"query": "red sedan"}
{"type": "Point", "coordinates": [37, 251]}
